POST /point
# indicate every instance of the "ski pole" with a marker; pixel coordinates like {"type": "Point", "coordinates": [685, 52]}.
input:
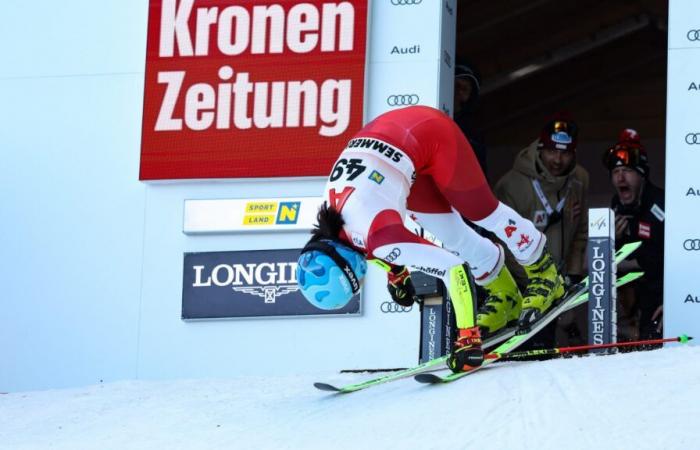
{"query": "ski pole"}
{"type": "Point", "coordinates": [556, 351]}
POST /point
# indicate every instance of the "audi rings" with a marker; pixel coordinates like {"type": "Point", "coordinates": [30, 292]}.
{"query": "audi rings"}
{"type": "Point", "coordinates": [693, 35]}
{"type": "Point", "coordinates": [391, 257]}
{"type": "Point", "coordinates": [406, 2]}
{"type": "Point", "coordinates": [393, 307]}
{"type": "Point", "coordinates": [691, 244]}
{"type": "Point", "coordinates": [402, 100]}
{"type": "Point", "coordinates": [692, 138]}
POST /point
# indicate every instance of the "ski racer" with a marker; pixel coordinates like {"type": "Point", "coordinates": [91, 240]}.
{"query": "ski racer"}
{"type": "Point", "coordinates": [416, 160]}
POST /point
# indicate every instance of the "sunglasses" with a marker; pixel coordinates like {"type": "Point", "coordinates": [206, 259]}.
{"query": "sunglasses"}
{"type": "Point", "coordinates": [623, 155]}
{"type": "Point", "coordinates": [563, 126]}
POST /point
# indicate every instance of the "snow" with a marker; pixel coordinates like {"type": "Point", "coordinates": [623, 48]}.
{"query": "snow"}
{"type": "Point", "coordinates": [644, 400]}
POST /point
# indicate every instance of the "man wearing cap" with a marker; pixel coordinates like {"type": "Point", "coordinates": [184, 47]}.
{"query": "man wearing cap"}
{"type": "Point", "coordinates": [639, 216]}
{"type": "Point", "coordinates": [548, 187]}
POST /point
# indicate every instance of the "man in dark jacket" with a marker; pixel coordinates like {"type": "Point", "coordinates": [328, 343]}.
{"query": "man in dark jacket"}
{"type": "Point", "coordinates": [639, 216]}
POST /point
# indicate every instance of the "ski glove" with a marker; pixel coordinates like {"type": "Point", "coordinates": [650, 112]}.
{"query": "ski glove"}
{"type": "Point", "coordinates": [401, 287]}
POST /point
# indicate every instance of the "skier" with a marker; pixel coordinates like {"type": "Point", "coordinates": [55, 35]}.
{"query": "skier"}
{"type": "Point", "coordinates": [417, 159]}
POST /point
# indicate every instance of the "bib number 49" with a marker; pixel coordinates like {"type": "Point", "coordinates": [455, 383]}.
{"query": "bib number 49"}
{"type": "Point", "coordinates": [350, 168]}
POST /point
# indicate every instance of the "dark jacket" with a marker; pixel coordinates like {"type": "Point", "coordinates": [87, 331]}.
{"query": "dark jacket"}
{"type": "Point", "coordinates": [567, 237]}
{"type": "Point", "coordinates": [646, 224]}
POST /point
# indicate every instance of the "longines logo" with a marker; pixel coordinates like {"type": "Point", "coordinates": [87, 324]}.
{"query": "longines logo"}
{"type": "Point", "coordinates": [266, 280]}
{"type": "Point", "coordinates": [600, 300]}
{"type": "Point", "coordinates": [432, 331]}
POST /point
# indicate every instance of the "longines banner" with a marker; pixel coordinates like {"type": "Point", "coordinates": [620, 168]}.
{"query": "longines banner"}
{"type": "Point", "coordinates": [682, 241]}
{"type": "Point", "coordinates": [258, 283]}
{"type": "Point", "coordinates": [251, 88]}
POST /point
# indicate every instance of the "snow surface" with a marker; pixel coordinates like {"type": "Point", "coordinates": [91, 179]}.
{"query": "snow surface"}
{"type": "Point", "coordinates": [645, 400]}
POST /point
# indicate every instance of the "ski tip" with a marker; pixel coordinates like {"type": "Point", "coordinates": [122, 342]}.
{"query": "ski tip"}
{"type": "Point", "coordinates": [428, 378]}
{"type": "Point", "coordinates": [326, 387]}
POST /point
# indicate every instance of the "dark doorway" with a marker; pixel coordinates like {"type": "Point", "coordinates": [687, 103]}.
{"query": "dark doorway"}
{"type": "Point", "coordinates": [604, 61]}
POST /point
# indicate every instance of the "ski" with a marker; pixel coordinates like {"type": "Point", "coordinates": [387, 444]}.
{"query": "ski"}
{"type": "Point", "coordinates": [575, 296]}
{"type": "Point", "coordinates": [433, 363]}
{"type": "Point", "coordinates": [383, 379]}
{"type": "Point", "coordinates": [508, 346]}
{"type": "Point", "coordinates": [517, 340]}
{"type": "Point", "coordinates": [577, 290]}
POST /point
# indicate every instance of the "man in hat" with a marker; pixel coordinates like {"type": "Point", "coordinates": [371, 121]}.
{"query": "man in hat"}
{"type": "Point", "coordinates": [639, 216]}
{"type": "Point", "coordinates": [547, 187]}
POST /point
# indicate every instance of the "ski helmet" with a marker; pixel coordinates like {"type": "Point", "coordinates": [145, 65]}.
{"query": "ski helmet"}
{"type": "Point", "coordinates": [330, 273]}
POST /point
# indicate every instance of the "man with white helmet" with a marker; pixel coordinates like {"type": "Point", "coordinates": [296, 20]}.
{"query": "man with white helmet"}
{"type": "Point", "coordinates": [415, 160]}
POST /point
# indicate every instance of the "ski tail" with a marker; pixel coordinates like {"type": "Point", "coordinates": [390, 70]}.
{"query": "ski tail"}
{"type": "Point", "coordinates": [346, 389]}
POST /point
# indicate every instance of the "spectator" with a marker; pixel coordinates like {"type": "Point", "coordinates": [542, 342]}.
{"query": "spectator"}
{"type": "Point", "coordinates": [639, 216]}
{"type": "Point", "coordinates": [547, 186]}
{"type": "Point", "coordinates": [466, 96]}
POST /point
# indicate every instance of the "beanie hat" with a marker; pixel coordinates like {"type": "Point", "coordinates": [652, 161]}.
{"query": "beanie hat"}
{"type": "Point", "coordinates": [560, 133]}
{"type": "Point", "coordinates": [466, 72]}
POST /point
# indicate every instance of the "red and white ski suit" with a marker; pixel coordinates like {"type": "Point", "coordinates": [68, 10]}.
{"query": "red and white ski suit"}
{"type": "Point", "coordinates": [416, 161]}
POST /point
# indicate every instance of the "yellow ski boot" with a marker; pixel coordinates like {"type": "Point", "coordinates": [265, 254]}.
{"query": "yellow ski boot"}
{"type": "Point", "coordinates": [502, 306]}
{"type": "Point", "coordinates": [545, 287]}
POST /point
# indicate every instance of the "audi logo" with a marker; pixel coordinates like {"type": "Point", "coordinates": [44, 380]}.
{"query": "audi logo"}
{"type": "Point", "coordinates": [692, 138]}
{"type": "Point", "coordinates": [693, 35]}
{"type": "Point", "coordinates": [391, 257]}
{"type": "Point", "coordinates": [406, 2]}
{"type": "Point", "coordinates": [691, 244]}
{"type": "Point", "coordinates": [402, 100]}
{"type": "Point", "coordinates": [393, 307]}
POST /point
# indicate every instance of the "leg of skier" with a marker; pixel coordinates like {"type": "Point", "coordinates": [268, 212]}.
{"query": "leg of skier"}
{"type": "Point", "coordinates": [456, 172]}
{"type": "Point", "coordinates": [502, 306]}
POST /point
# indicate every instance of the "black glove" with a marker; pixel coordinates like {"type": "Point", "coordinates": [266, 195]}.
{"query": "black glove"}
{"type": "Point", "coordinates": [401, 287]}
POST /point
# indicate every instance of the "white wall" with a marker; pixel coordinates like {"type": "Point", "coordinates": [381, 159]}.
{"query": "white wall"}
{"type": "Point", "coordinates": [71, 81]}
{"type": "Point", "coordinates": [171, 347]}
{"type": "Point", "coordinates": [681, 281]}
{"type": "Point", "coordinates": [91, 267]}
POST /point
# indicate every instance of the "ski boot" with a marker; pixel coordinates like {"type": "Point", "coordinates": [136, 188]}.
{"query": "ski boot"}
{"type": "Point", "coordinates": [466, 353]}
{"type": "Point", "coordinates": [502, 306]}
{"type": "Point", "coordinates": [545, 286]}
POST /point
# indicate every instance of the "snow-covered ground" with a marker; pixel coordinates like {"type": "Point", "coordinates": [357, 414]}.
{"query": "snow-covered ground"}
{"type": "Point", "coordinates": [647, 400]}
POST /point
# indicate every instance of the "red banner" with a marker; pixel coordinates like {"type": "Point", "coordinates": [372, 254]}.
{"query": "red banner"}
{"type": "Point", "coordinates": [251, 88]}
